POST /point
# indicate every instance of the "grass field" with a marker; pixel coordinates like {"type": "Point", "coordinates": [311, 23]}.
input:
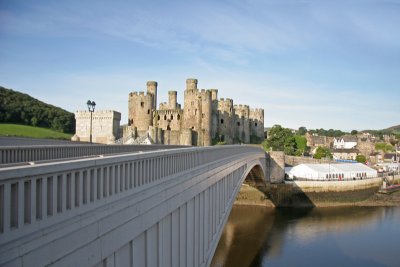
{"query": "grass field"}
{"type": "Point", "coordinates": [30, 131]}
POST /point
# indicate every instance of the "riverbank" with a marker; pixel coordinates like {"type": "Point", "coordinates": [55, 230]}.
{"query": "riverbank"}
{"type": "Point", "coordinates": [318, 194]}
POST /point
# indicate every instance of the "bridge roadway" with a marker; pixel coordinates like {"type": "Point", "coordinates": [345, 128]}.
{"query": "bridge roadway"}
{"type": "Point", "coordinates": [156, 208]}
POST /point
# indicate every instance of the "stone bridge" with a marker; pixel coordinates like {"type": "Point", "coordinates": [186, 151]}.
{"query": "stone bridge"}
{"type": "Point", "coordinates": [165, 207]}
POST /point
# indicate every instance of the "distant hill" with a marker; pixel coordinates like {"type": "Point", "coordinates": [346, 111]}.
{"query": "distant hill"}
{"type": "Point", "coordinates": [390, 130]}
{"type": "Point", "coordinates": [393, 129]}
{"type": "Point", "coordinates": [20, 108]}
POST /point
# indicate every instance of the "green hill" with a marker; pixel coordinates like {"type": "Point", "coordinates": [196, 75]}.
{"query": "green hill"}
{"type": "Point", "coordinates": [31, 131]}
{"type": "Point", "coordinates": [393, 129]}
{"type": "Point", "coordinates": [19, 108]}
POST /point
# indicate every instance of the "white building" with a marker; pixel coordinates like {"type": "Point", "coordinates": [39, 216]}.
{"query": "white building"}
{"type": "Point", "coordinates": [345, 142]}
{"type": "Point", "coordinates": [331, 171]}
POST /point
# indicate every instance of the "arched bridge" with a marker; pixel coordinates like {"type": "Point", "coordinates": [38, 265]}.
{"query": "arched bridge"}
{"type": "Point", "coordinates": [153, 208]}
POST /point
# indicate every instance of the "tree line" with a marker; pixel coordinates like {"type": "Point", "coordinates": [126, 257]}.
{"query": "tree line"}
{"type": "Point", "coordinates": [19, 108]}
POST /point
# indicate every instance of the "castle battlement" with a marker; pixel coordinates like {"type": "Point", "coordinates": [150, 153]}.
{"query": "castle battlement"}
{"type": "Point", "coordinates": [257, 111]}
{"type": "Point", "coordinates": [140, 93]}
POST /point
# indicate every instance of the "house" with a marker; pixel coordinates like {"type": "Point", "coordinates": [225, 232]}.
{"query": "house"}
{"type": "Point", "coordinates": [348, 154]}
{"type": "Point", "coordinates": [390, 157]}
{"type": "Point", "coordinates": [316, 141]}
{"type": "Point", "coordinates": [345, 142]}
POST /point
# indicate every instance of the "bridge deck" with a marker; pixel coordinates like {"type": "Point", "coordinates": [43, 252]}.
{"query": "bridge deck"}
{"type": "Point", "coordinates": [162, 206]}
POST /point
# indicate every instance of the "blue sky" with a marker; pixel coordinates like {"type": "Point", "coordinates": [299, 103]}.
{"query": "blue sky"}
{"type": "Point", "coordinates": [319, 64]}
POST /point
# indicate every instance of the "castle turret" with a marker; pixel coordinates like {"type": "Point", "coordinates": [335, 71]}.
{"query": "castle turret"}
{"type": "Point", "coordinates": [226, 114]}
{"type": "Point", "coordinates": [140, 111]}
{"type": "Point", "coordinates": [191, 84]}
{"type": "Point", "coordinates": [214, 94]}
{"type": "Point", "coordinates": [152, 89]}
{"type": "Point", "coordinates": [206, 118]}
{"type": "Point", "coordinates": [214, 116]}
{"type": "Point", "coordinates": [172, 102]}
{"type": "Point", "coordinates": [242, 113]}
{"type": "Point", "coordinates": [257, 123]}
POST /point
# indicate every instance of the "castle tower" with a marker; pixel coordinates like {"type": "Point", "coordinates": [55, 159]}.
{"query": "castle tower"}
{"type": "Point", "coordinates": [192, 110]}
{"type": "Point", "coordinates": [257, 123]}
{"type": "Point", "coordinates": [172, 99]}
{"type": "Point", "coordinates": [214, 94]}
{"type": "Point", "coordinates": [226, 115]}
{"type": "Point", "coordinates": [141, 108]}
{"type": "Point", "coordinates": [152, 89]}
{"type": "Point", "coordinates": [214, 116]}
{"type": "Point", "coordinates": [242, 113]}
{"type": "Point", "coordinates": [206, 118]}
{"type": "Point", "coordinates": [191, 84]}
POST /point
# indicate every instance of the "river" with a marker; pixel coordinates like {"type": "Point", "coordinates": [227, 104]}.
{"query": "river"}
{"type": "Point", "coordinates": [351, 236]}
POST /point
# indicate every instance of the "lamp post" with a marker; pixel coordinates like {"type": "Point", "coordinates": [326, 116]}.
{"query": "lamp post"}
{"type": "Point", "coordinates": [91, 105]}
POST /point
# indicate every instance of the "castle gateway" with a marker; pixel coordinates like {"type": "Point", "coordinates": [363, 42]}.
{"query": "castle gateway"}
{"type": "Point", "coordinates": [203, 121]}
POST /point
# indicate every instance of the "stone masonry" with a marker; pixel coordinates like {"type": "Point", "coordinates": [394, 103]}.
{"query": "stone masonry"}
{"type": "Point", "coordinates": [204, 119]}
{"type": "Point", "coordinates": [105, 126]}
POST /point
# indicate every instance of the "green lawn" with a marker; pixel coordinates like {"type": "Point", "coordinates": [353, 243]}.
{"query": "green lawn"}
{"type": "Point", "coordinates": [30, 131]}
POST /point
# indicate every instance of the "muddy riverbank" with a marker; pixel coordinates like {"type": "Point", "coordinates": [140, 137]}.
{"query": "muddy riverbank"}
{"type": "Point", "coordinates": [300, 195]}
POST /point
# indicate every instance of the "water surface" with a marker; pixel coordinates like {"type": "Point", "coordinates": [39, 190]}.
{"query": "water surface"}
{"type": "Point", "coordinates": [355, 236]}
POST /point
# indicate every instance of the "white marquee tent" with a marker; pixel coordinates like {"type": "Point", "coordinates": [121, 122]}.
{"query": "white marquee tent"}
{"type": "Point", "coordinates": [331, 171]}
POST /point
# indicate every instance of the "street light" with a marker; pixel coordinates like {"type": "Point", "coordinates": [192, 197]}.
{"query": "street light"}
{"type": "Point", "coordinates": [91, 105]}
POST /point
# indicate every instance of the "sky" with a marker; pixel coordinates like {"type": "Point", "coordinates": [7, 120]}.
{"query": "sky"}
{"type": "Point", "coordinates": [318, 64]}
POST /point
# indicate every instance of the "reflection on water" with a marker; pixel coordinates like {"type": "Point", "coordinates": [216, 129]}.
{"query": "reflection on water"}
{"type": "Point", "coordinates": [356, 236]}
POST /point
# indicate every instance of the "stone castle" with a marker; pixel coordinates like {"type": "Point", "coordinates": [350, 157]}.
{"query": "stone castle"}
{"type": "Point", "coordinates": [203, 120]}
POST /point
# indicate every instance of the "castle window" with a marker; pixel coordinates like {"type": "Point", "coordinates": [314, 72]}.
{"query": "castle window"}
{"type": "Point", "coordinates": [255, 124]}
{"type": "Point", "coordinates": [158, 118]}
{"type": "Point", "coordinates": [172, 117]}
{"type": "Point", "coordinates": [142, 104]}
{"type": "Point", "coordinates": [238, 123]}
{"type": "Point", "coordinates": [222, 121]}
{"type": "Point", "coordinates": [178, 117]}
{"type": "Point", "coordinates": [195, 112]}
{"type": "Point", "coordinates": [165, 117]}
{"type": "Point", "coordinates": [148, 111]}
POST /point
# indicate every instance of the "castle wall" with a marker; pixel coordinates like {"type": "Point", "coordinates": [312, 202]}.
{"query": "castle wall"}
{"type": "Point", "coordinates": [105, 126]}
{"type": "Point", "coordinates": [186, 137]}
{"type": "Point", "coordinates": [172, 137]}
{"type": "Point", "coordinates": [168, 119]}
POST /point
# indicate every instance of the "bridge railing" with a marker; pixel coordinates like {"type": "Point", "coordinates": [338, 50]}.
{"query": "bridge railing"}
{"type": "Point", "coordinates": [17, 154]}
{"type": "Point", "coordinates": [38, 196]}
